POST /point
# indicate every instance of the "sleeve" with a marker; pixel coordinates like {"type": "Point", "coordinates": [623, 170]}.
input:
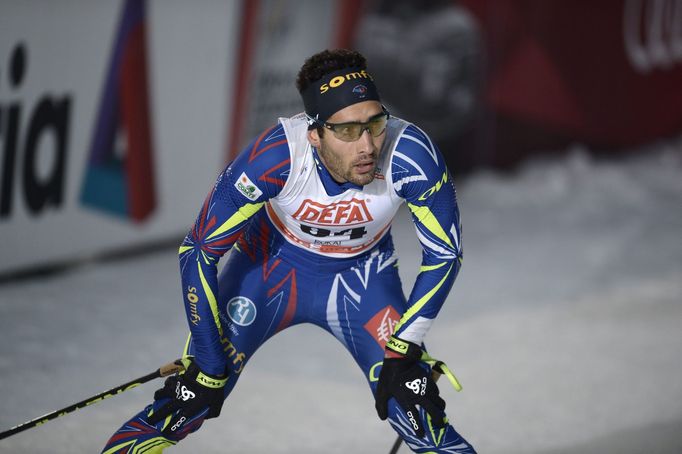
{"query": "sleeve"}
{"type": "Point", "coordinates": [421, 177]}
{"type": "Point", "coordinates": [241, 190]}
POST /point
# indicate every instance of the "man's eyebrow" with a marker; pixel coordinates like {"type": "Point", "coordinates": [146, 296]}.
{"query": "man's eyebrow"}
{"type": "Point", "coordinates": [355, 121]}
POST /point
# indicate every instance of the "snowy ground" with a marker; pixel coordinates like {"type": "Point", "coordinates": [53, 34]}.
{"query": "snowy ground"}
{"type": "Point", "coordinates": [564, 328]}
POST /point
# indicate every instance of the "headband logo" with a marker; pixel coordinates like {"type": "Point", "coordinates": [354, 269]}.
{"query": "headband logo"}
{"type": "Point", "coordinates": [339, 80]}
{"type": "Point", "coordinates": [360, 91]}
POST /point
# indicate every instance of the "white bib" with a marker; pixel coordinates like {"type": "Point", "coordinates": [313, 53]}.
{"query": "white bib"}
{"type": "Point", "coordinates": [342, 225]}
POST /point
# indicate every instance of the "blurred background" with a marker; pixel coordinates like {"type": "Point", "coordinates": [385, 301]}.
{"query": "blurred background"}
{"type": "Point", "coordinates": [561, 121]}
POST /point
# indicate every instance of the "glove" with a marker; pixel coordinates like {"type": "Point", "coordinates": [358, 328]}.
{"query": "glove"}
{"type": "Point", "coordinates": [406, 380]}
{"type": "Point", "coordinates": [190, 394]}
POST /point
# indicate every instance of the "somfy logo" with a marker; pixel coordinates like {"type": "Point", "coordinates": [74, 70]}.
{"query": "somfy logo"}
{"type": "Point", "coordinates": [241, 310]}
{"type": "Point", "coordinates": [652, 31]}
{"type": "Point", "coordinates": [339, 80]}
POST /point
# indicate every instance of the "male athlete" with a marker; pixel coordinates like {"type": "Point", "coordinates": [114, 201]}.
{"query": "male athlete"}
{"type": "Point", "coordinates": [306, 210]}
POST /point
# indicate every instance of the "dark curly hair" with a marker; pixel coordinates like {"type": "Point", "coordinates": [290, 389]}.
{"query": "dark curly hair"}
{"type": "Point", "coordinates": [326, 62]}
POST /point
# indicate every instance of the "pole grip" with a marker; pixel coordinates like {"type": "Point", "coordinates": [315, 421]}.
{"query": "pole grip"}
{"type": "Point", "coordinates": [171, 368]}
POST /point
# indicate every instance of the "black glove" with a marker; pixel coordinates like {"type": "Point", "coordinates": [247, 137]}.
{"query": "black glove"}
{"type": "Point", "coordinates": [406, 380]}
{"type": "Point", "coordinates": [191, 393]}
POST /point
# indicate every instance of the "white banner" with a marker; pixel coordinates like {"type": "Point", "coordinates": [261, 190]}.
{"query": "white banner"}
{"type": "Point", "coordinates": [94, 155]}
{"type": "Point", "coordinates": [278, 35]}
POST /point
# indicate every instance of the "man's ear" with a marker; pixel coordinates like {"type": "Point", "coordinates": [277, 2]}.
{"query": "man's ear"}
{"type": "Point", "coordinates": [314, 138]}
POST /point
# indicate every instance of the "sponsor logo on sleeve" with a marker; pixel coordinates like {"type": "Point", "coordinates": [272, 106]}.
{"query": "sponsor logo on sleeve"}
{"type": "Point", "coordinates": [247, 187]}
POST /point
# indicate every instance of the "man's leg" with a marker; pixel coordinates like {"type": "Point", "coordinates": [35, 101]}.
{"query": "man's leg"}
{"type": "Point", "coordinates": [258, 297]}
{"type": "Point", "coordinates": [137, 435]}
{"type": "Point", "coordinates": [362, 307]}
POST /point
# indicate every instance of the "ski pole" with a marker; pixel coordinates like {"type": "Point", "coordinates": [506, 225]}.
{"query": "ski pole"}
{"type": "Point", "coordinates": [163, 371]}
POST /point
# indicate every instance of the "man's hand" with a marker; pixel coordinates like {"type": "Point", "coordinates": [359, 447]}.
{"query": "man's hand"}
{"type": "Point", "coordinates": [191, 394]}
{"type": "Point", "coordinates": [410, 383]}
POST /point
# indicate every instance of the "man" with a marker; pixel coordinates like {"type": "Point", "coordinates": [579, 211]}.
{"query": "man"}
{"type": "Point", "coordinates": [306, 210]}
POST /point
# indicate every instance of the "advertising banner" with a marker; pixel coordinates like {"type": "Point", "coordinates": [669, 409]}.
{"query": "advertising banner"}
{"type": "Point", "coordinates": [112, 123]}
{"type": "Point", "coordinates": [606, 73]}
{"type": "Point", "coordinates": [276, 37]}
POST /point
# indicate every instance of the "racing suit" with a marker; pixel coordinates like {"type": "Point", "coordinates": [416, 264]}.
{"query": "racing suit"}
{"type": "Point", "coordinates": [307, 249]}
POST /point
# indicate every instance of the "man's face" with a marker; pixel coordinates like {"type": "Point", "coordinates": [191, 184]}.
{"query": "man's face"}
{"type": "Point", "coordinates": [350, 161]}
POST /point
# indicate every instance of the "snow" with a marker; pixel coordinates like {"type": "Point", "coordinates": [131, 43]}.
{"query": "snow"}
{"type": "Point", "coordinates": [563, 327]}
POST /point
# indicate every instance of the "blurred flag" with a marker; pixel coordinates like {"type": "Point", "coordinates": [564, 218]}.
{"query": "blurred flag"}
{"type": "Point", "coordinates": [119, 177]}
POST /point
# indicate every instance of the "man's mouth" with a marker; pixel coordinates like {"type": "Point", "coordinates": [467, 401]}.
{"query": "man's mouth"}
{"type": "Point", "coordinates": [365, 167]}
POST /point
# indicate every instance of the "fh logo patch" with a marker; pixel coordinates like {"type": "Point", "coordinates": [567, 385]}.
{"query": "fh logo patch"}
{"type": "Point", "coordinates": [247, 188]}
{"type": "Point", "coordinates": [383, 324]}
{"type": "Point", "coordinates": [241, 310]}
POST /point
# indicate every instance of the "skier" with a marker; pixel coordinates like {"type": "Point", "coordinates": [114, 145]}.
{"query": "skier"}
{"type": "Point", "coordinates": [306, 211]}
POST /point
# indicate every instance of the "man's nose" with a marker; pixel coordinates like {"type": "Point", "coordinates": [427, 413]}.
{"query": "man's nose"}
{"type": "Point", "coordinates": [366, 140]}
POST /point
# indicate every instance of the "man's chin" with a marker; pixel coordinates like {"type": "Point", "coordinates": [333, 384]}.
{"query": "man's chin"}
{"type": "Point", "coordinates": [362, 179]}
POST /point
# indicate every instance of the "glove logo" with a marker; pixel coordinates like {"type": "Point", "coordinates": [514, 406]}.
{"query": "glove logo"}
{"type": "Point", "coordinates": [182, 393]}
{"type": "Point", "coordinates": [417, 386]}
{"type": "Point", "coordinates": [178, 424]}
{"type": "Point", "coordinates": [413, 421]}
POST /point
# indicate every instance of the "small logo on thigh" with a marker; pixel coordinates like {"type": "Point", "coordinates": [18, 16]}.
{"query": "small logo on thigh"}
{"type": "Point", "coordinates": [241, 310]}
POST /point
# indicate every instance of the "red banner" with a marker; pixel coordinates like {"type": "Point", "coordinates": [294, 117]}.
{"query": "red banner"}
{"type": "Point", "coordinates": [608, 73]}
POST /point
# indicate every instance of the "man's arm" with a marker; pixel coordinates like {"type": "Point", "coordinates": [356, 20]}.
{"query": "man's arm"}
{"type": "Point", "coordinates": [421, 177]}
{"type": "Point", "coordinates": [241, 190]}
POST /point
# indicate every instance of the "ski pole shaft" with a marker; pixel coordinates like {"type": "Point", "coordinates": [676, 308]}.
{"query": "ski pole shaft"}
{"type": "Point", "coordinates": [163, 371]}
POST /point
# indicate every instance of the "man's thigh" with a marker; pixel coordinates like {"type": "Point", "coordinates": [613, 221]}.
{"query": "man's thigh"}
{"type": "Point", "coordinates": [362, 307]}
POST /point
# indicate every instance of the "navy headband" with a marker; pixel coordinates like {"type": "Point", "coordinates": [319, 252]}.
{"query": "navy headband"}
{"type": "Point", "coordinates": [338, 90]}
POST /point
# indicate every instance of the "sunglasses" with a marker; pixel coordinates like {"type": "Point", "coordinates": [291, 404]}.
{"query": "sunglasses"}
{"type": "Point", "coordinates": [353, 130]}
